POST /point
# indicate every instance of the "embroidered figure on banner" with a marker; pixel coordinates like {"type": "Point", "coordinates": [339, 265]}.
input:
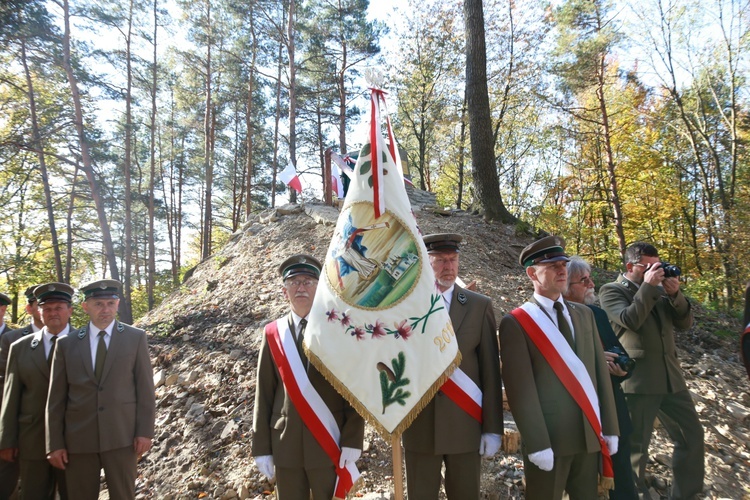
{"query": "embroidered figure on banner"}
{"type": "Point", "coordinates": [375, 264]}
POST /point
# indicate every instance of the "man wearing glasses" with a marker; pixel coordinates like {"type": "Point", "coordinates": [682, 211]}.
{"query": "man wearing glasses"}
{"type": "Point", "coordinates": [283, 445]}
{"type": "Point", "coordinates": [644, 308]}
{"type": "Point", "coordinates": [620, 366]}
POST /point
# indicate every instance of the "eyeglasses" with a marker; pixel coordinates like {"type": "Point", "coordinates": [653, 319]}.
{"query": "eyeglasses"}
{"type": "Point", "coordinates": [584, 280]}
{"type": "Point", "coordinates": [299, 283]}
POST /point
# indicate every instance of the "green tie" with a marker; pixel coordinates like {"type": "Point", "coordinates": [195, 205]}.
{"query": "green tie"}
{"type": "Point", "coordinates": [563, 325]}
{"type": "Point", "coordinates": [101, 355]}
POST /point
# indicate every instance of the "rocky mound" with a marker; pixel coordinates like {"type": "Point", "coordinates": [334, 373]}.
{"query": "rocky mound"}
{"type": "Point", "coordinates": [205, 339]}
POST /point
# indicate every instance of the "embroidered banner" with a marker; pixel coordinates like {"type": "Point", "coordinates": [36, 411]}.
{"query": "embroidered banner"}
{"type": "Point", "coordinates": [378, 329]}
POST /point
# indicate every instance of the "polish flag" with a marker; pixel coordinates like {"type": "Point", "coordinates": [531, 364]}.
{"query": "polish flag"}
{"type": "Point", "coordinates": [289, 177]}
{"type": "Point", "coordinates": [337, 185]}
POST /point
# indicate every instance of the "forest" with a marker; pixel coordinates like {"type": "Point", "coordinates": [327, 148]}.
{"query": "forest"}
{"type": "Point", "coordinates": [136, 136]}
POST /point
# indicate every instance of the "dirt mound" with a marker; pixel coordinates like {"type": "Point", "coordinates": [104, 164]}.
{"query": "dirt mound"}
{"type": "Point", "coordinates": [205, 339]}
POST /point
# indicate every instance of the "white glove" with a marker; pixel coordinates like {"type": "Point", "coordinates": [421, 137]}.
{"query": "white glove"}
{"type": "Point", "coordinates": [544, 459]}
{"type": "Point", "coordinates": [348, 455]}
{"type": "Point", "coordinates": [489, 444]}
{"type": "Point", "coordinates": [265, 465]}
{"type": "Point", "coordinates": [612, 443]}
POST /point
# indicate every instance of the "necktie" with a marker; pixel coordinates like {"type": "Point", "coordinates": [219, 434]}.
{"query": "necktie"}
{"type": "Point", "coordinates": [300, 338]}
{"type": "Point", "coordinates": [563, 326]}
{"type": "Point", "coordinates": [52, 339]}
{"type": "Point", "coordinates": [101, 355]}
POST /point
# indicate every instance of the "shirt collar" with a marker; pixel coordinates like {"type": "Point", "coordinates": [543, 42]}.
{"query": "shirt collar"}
{"type": "Point", "coordinates": [548, 303]}
{"type": "Point", "coordinates": [94, 331]}
{"type": "Point", "coordinates": [47, 335]}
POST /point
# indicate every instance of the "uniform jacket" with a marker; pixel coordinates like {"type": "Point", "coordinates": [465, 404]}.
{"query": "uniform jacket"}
{"type": "Point", "coordinates": [644, 319]}
{"type": "Point", "coordinates": [546, 414]}
{"type": "Point", "coordinates": [22, 417]}
{"type": "Point", "coordinates": [442, 427]}
{"type": "Point", "coordinates": [278, 429]}
{"type": "Point", "coordinates": [6, 339]}
{"type": "Point", "coordinates": [84, 416]}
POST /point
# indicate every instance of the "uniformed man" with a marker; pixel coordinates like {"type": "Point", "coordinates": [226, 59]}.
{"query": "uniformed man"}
{"type": "Point", "coordinates": [645, 305]}
{"type": "Point", "coordinates": [8, 337]}
{"type": "Point", "coordinates": [8, 470]}
{"type": "Point", "coordinates": [22, 435]}
{"type": "Point", "coordinates": [101, 406]}
{"type": "Point", "coordinates": [443, 432]}
{"type": "Point", "coordinates": [549, 348]}
{"type": "Point", "coordinates": [283, 445]}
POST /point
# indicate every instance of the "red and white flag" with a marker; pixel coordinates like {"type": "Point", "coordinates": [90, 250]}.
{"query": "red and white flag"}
{"type": "Point", "coordinates": [289, 177]}
{"type": "Point", "coordinates": [378, 329]}
{"type": "Point", "coordinates": [337, 185]}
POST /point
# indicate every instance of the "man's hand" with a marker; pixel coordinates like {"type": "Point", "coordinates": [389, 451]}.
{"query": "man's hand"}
{"type": "Point", "coordinates": [348, 455]}
{"type": "Point", "coordinates": [141, 445]}
{"type": "Point", "coordinates": [654, 275]}
{"type": "Point", "coordinates": [9, 454]}
{"type": "Point", "coordinates": [265, 465]}
{"type": "Point", "coordinates": [671, 286]}
{"type": "Point", "coordinates": [544, 459]}
{"type": "Point", "coordinates": [489, 444]}
{"type": "Point", "coordinates": [612, 366]}
{"type": "Point", "coordinates": [58, 458]}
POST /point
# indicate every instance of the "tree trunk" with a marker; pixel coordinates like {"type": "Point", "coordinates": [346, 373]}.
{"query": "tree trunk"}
{"type": "Point", "coordinates": [208, 149]}
{"type": "Point", "coordinates": [126, 289]}
{"type": "Point", "coordinates": [486, 181]}
{"type": "Point", "coordinates": [292, 96]}
{"type": "Point", "coordinates": [151, 276]}
{"type": "Point", "coordinates": [249, 121]}
{"type": "Point", "coordinates": [39, 148]}
{"type": "Point", "coordinates": [88, 168]}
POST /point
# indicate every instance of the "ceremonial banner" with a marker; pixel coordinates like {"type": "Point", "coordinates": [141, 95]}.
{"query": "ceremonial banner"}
{"type": "Point", "coordinates": [378, 329]}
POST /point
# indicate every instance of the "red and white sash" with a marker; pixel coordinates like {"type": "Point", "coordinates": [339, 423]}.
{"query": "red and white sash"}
{"type": "Point", "coordinates": [568, 368]}
{"type": "Point", "coordinates": [314, 412]}
{"type": "Point", "coordinates": [465, 393]}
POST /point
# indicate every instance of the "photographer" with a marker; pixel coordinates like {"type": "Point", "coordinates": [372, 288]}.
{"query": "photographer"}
{"type": "Point", "coordinates": [645, 305]}
{"type": "Point", "coordinates": [620, 366]}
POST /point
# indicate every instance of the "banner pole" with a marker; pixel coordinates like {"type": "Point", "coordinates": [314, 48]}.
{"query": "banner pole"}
{"type": "Point", "coordinates": [398, 471]}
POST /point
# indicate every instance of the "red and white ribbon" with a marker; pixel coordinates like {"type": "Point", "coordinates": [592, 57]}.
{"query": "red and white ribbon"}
{"type": "Point", "coordinates": [568, 368]}
{"type": "Point", "coordinates": [314, 412]}
{"type": "Point", "coordinates": [465, 393]}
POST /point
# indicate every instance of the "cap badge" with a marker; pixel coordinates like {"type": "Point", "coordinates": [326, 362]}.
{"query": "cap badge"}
{"type": "Point", "coordinates": [103, 286]}
{"type": "Point", "coordinates": [51, 288]}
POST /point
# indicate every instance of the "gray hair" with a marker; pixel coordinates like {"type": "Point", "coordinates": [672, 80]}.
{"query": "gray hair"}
{"type": "Point", "coordinates": [577, 266]}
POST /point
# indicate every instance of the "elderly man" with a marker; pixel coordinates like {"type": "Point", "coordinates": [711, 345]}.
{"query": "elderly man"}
{"type": "Point", "coordinates": [644, 306]}
{"type": "Point", "coordinates": [286, 444]}
{"type": "Point", "coordinates": [549, 347]}
{"type": "Point", "coordinates": [28, 373]}
{"type": "Point", "coordinates": [101, 406]}
{"type": "Point", "coordinates": [581, 290]}
{"type": "Point", "coordinates": [443, 432]}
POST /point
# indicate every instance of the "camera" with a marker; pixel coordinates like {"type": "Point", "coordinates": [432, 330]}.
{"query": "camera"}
{"type": "Point", "coordinates": [623, 360]}
{"type": "Point", "coordinates": [670, 270]}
